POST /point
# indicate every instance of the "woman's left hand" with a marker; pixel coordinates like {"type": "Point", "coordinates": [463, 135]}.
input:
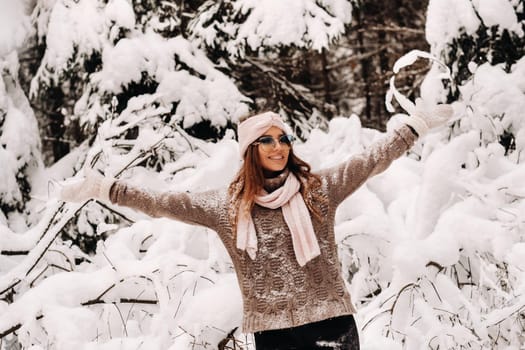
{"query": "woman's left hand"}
{"type": "Point", "coordinates": [426, 117]}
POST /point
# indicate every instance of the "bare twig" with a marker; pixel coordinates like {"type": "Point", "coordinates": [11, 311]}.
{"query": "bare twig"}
{"type": "Point", "coordinates": [144, 241]}
{"type": "Point", "coordinates": [131, 221]}
{"type": "Point", "coordinates": [180, 302]}
{"type": "Point", "coordinates": [47, 238]}
{"type": "Point", "coordinates": [87, 303]}
{"type": "Point", "coordinates": [44, 270]}
{"type": "Point", "coordinates": [65, 257]}
{"type": "Point", "coordinates": [142, 155]}
{"type": "Point", "coordinates": [393, 28]}
{"type": "Point", "coordinates": [14, 252]}
{"type": "Point", "coordinates": [185, 135]}
{"type": "Point", "coordinates": [122, 320]}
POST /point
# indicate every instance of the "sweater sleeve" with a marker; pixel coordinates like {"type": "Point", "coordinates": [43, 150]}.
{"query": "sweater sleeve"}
{"type": "Point", "coordinates": [192, 208]}
{"type": "Point", "coordinates": [343, 179]}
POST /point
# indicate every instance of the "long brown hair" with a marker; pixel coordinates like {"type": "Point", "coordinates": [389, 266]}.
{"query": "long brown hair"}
{"type": "Point", "coordinates": [249, 181]}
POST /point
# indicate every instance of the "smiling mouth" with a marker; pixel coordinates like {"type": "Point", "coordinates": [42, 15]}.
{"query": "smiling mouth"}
{"type": "Point", "coordinates": [276, 158]}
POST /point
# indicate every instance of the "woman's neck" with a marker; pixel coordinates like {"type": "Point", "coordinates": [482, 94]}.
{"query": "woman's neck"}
{"type": "Point", "coordinates": [276, 181]}
{"type": "Point", "coordinates": [268, 174]}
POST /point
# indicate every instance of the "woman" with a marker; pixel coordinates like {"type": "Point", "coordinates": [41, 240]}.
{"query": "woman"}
{"type": "Point", "coordinates": [276, 220]}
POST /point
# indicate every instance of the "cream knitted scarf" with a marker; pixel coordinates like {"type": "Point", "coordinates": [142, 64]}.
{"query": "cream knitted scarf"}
{"type": "Point", "coordinates": [296, 215]}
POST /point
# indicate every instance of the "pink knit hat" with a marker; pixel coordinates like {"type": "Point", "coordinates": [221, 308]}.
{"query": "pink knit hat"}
{"type": "Point", "coordinates": [254, 127]}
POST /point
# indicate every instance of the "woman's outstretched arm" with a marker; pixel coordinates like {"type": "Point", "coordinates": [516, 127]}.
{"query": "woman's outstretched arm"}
{"type": "Point", "coordinates": [343, 179]}
{"type": "Point", "coordinates": [200, 208]}
{"type": "Point", "coordinates": [194, 208]}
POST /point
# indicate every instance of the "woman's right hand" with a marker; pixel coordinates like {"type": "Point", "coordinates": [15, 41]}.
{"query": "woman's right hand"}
{"type": "Point", "coordinates": [92, 186]}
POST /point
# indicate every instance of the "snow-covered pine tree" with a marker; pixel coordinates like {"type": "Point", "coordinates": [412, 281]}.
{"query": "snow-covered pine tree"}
{"type": "Point", "coordinates": [20, 156]}
{"type": "Point", "coordinates": [485, 49]}
{"type": "Point", "coordinates": [124, 72]}
{"type": "Point", "coordinates": [118, 32]}
{"type": "Point", "coordinates": [126, 63]}
{"type": "Point", "coordinates": [490, 40]}
{"type": "Point", "coordinates": [457, 273]}
{"type": "Point", "coordinates": [269, 48]}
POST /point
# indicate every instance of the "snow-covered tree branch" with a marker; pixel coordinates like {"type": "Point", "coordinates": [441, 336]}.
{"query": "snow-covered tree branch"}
{"type": "Point", "coordinates": [148, 92]}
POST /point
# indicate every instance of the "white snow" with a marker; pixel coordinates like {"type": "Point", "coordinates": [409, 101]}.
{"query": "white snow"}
{"type": "Point", "coordinates": [275, 23]}
{"type": "Point", "coordinates": [446, 18]}
{"type": "Point", "coordinates": [74, 29]}
{"type": "Point", "coordinates": [500, 13]}
{"type": "Point", "coordinates": [432, 248]}
{"type": "Point", "coordinates": [15, 26]}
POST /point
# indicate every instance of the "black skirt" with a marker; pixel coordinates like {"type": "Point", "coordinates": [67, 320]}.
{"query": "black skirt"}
{"type": "Point", "coordinates": [338, 333]}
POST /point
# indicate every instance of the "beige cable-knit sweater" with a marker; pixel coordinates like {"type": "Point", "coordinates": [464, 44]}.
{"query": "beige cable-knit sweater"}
{"type": "Point", "coordinates": [276, 291]}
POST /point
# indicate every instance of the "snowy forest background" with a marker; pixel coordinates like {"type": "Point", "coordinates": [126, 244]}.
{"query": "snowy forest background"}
{"type": "Point", "coordinates": [150, 91]}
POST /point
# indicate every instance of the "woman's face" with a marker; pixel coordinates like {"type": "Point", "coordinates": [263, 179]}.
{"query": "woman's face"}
{"type": "Point", "coordinates": [274, 157]}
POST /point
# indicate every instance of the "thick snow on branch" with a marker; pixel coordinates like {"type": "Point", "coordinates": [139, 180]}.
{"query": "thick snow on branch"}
{"type": "Point", "coordinates": [77, 34]}
{"type": "Point", "coordinates": [447, 18]}
{"type": "Point", "coordinates": [15, 26]}
{"type": "Point", "coordinates": [273, 23]}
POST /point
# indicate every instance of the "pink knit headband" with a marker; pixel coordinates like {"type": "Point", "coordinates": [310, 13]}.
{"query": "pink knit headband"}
{"type": "Point", "coordinates": [254, 127]}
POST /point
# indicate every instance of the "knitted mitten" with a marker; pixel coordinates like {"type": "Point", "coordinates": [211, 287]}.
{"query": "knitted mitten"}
{"type": "Point", "coordinates": [92, 186]}
{"type": "Point", "coordinates": [426, 117]}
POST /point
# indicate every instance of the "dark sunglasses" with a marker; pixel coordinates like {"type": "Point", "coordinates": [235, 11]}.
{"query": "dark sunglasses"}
{"type": "Point", "coordinates": [269, 143]}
